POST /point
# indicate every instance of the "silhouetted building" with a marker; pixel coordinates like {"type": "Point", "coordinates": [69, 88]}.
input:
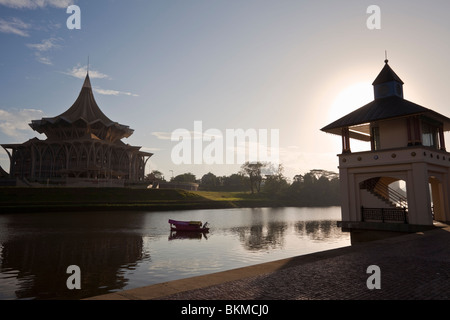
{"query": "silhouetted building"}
{"type": "Point", "coordinates": [406, 144]}
{"type": "Point", "coordinates": [83, 147]}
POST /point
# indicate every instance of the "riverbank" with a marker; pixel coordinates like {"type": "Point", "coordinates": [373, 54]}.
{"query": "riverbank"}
{"type": "Point", "coordinates": [18, 199]}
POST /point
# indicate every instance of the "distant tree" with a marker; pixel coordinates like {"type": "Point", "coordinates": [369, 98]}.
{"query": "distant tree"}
{"type": "Point", "coordinates": [275, 182]}
{"type": "Point", "coordinates": [155, 175]}
{"type": "Point", "coordinates": [210, 181]}
{"type": "Point", "coordinates": [317, 187]}
{"type": "Point", "coordinates": [235, 182]}
{"type": "Point", "coordinates": [318, 173]}
{"type": "Point", "coordinates": [253, 171]}
{"type": "Point", "coordinates": [185, 177]}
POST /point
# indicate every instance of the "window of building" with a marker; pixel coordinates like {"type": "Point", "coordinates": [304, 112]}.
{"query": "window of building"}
{"type": "Point", "coordinates": [430, 135]}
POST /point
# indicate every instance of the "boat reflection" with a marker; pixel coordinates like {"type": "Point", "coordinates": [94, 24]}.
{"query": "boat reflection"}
{"type": "Point", "coordinates": [192, 235]}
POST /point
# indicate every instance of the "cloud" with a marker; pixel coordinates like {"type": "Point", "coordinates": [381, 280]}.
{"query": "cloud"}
{"type": "Point", "coordinates": [42, 59]}
{"type": "Point", "coordinates": [14, 123]}
{"type": "Point", "coordinates": [151, 150]}
{"type": "Point", "coordinates": [80, 73]}
{"type": "Point", "coordinates": [45, 45]}
{"type": "Point", "coordinates": [109, 92]}
{"type": "Point", "coordinates": [185, 134]}
{"type": "Point", "coordinates": [41, 48]}
{"type": "Point", "coordinates": [14, 26]}
{"type": "Point", "coordinates": [36, 4]}
{"type": "Point", "coordinates": [162, 135]}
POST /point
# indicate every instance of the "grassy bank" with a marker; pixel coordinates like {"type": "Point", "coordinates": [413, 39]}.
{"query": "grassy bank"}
{"type": "Point", "coordinates": [16, 199]}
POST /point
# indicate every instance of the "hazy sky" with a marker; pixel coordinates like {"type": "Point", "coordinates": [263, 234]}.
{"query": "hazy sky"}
{"type": "Point", "coordinates": [157, 66]}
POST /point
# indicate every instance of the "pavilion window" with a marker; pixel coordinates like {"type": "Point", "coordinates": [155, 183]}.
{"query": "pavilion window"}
{"type": "Point", "coordinates": [430, 135]}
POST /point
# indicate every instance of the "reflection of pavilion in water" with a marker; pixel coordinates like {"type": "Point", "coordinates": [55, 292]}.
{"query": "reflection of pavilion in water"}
{"type": "Point", "coordinates": [41, 261]}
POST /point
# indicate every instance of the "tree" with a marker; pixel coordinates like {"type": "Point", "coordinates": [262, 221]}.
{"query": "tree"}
{"type": "Point", "coordinates": [185, 177]}
{"type": "Point", "coordinates": [317, 187]}
{"type": "Point", "coordinates": [235, 182]}
{"type": "Point", "coordinates": [253, 170]}
{"type": "Point", "coordinates": [275, 182]}
{"type": "Point", "coordinates": [155, 175]}
{"type": "Point", "coordinates": [210, 181]}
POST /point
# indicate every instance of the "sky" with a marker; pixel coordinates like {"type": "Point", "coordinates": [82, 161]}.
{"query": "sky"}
{"type": "Point", "coordinates": [285, 66]}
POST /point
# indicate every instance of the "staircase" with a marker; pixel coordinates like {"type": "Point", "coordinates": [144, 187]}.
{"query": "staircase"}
{"type": "Point", "coordinates": [381, 190]}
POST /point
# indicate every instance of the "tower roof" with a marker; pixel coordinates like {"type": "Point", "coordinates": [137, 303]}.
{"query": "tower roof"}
{"type": "Point", "coordinates": [84, 109]}
{"type": "Point", "coordinates": [382, 109]}
{"type": "Point", "coordinates": [387, 75]}
{"type": "Point", "coordinates": [389, 107]}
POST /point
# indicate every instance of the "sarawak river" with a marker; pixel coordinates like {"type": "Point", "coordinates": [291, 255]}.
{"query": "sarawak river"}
{"type": "Point", "coordinates": [123, 250]}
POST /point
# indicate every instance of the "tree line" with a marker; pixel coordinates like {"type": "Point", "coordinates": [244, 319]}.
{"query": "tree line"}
{"type": "Point", "coordinates": [316, 187]}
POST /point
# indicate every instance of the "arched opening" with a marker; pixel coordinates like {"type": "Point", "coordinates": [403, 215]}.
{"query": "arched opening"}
{"type": "Point", "coordinates": [384, 199]}
{"type": "Point", "coordinates": [437, 199]}
{"type": "Point", "coordinates": [60, 166]}
{"type": "Point", "coordinates": [4, 163]}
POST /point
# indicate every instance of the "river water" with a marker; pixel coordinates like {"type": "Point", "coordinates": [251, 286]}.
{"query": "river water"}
{"type": "Point", "coordinates": [123, 250]}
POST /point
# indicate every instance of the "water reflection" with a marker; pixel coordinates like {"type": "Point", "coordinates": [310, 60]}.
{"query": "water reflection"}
{"type": "Point", "coordinates": [117, 251]}
{"type": "Point", "coordinates": [272, 235]}
{"type": "Point", "coordinates": [262, 236]}
{"type": "Point", "coordinates": [317, 230]}
{"type": "Point", "coordinates": [38, 259]}
{"type": "Point", "coordinates": [190, 235]}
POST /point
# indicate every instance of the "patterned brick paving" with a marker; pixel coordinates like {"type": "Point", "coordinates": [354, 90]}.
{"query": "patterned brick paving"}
{"type": "Point", "coordinates": [413, 266]}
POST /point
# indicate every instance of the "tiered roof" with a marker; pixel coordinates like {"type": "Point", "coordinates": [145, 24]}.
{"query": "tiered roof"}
{"type": "Point", "coordinates": [84, 114]}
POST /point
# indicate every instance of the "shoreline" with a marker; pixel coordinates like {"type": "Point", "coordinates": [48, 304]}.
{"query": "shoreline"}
{"type": "Point", "coordinates": [35, 200]}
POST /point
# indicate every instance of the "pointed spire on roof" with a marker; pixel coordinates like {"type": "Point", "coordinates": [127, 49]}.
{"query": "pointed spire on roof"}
{"type": "Point", "coordinates": [87, 81]}
{"type": "Point", "coordinates": [85, 109]}
{"type": "Point", "coordinates": [387, 75]}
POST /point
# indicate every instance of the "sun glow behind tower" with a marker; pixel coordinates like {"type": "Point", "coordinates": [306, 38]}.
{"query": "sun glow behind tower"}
{"type": "Point", "coordinates": [349, 99]}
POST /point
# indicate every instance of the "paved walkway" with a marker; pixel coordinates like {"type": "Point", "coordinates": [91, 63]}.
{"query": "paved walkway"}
{"type": "Point", "coordinates": [414, 266]}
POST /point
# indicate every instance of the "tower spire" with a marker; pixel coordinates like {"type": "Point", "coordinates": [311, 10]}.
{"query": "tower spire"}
{"type": "Point", "coordinates": [87, 81]}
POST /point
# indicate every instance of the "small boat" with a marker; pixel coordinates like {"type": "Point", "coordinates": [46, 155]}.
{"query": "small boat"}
{"type": "Point", "coordinates": [196, 226]}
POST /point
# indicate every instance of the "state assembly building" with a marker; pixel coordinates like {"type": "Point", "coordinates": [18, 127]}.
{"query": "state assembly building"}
{"type": "Point", "coordinates": [83, 147]}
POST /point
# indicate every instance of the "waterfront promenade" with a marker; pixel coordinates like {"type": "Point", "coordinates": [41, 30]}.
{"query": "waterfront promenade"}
{"type": "Point", "coordinates": [412, 267]}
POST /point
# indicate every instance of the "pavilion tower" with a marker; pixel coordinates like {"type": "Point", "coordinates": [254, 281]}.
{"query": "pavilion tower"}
{"type": "Point", "coordinates": [403, 182]}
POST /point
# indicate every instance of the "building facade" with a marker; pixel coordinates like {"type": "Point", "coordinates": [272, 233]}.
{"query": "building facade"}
{"type": "Point", "coordinates": [404, 179]}
{"type": "Point", "coordinates": [83, 147]}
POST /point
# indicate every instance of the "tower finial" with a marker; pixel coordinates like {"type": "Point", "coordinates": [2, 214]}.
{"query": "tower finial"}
{"type": "Point", "coordinates": [88, 66]}
{"type": "Point", "coordinates": [385, 57]}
